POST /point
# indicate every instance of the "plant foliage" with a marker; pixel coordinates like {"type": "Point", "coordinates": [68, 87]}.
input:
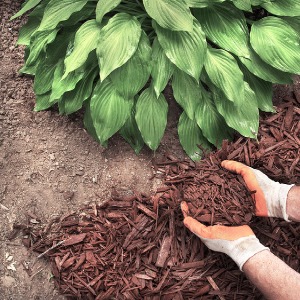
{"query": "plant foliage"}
{"type": "Point", "coordinates": [115, 58]}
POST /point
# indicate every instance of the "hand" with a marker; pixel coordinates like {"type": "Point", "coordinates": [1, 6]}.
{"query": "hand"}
{"type": "Point", "coordinates": [270, 196]}
{"type": "Point", "coordinates": [239, 242]}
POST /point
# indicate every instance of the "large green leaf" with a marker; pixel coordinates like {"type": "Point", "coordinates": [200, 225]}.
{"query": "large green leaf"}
{"type": "Point", "coordinates": [212, 124]}
{"type": "Point", "coordinates": [283, 7]}
{"type": "Point", "coordinates": [42, 102]}
{"type": "Point", "coordinates": [73, 100]}
{"type": "Point", "coordinates": [162, 68]}
{"type": "Point", "coordinates": [293, 22]}
{"type": "Point", "coordinates": [202, 3]}
{"type": "Point", "coordinates": [242, 116]}
{"type": "Point", "coordinates": [265, 71]}
{"type": "Point", "coordinates": [151, 117]}
{"type": "Point", "coordinates": [225, 73]}
{"type": "Point", "coordinates": [186, 92]}
{"type": "Point", "coordinates": [243, 4]}
{"type": "Point", "coordinates": [130, 132]}
{"type": "Point", "coordinates": [191, 137]}
{"type": "Point", "coordinates": [88, 122]}
{"type": "Point", "coordinates": [130, 78]}
{"type": "Point", "coordinates": [105, 6]}
{"type": "Point", "coordinates": [27, 6]}
{"type": "Point", "coordinates": [263, 91]}
{"type": "Point", "coordinates": [45, 70]}
{"type": "Point", "coordinates": [32, 24]}
{"type": "Point", "coordinates": [109, 110]}
{"type": "Point", "coordinates": [118, 41]}
{"type": "Point", "coordinates": [277, 43]}
{"type": "Point", "coordinates": [57, 11]}
{"type": "Point", "coordinates": [38, 44]}
{"type": "Point", "coordinates": [187, 50]}
{"type": "Point", "coordinates": [170, 14]}
{"type": "Point", "coordinates": [225, 26]}
{"type": "Point", "coordinates": [61, 86]}
{"type": "Point", "coordinates": [86, 40]}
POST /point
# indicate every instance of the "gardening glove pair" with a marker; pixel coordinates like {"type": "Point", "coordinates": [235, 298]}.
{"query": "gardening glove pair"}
{"type": "Point", "coordinates": [239, 242]}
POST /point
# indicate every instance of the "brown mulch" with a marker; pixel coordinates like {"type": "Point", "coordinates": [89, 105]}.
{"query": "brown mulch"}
{"type": "Point", "coordinates": [138, 248]}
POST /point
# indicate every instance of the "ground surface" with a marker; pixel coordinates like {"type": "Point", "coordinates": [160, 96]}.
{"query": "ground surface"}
{"type": "Point", "coordinates": [50, 166]}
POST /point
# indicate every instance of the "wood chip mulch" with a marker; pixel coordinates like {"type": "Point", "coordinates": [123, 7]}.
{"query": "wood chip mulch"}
{"type": "Point", "coordinates": [138, 248]}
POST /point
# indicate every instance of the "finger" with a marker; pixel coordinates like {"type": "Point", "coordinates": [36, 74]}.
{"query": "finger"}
{"type": "Point", "coordinates": [185, 209]}
{"type": "Point", "coordinates": [235, 167]}
{"type": "Point", "coordinates": [195, 226]}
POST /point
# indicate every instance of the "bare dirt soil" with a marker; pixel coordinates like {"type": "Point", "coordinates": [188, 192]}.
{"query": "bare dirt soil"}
{"type": "Point", "coordinates": [50, 166]}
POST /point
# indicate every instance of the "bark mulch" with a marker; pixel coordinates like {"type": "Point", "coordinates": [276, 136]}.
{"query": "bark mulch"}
{"type": "Point", "coordinates": [138, 248]}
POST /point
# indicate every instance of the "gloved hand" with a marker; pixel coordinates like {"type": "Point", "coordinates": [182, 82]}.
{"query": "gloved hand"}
{"type": "Point", "coordinates": [270, 197]}
{"type": "Point", "coordinates": [239, 242]}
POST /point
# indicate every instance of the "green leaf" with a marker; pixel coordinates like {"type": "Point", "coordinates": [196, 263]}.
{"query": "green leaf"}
{"type": "Point", "coordinates": [45, 70]}
{"type": "Point", "coordinates": [86, 40]}
{"type": "Point", "coordinates": [225, 26]}
{"type": "Point", "coordinates": [263, 91]}
{"type": "Point", "coordinates": [118, 41]}
{"type": "Point", "coordinates": [170, 14]}
{"type": "Point", "coordinates": [38, 44]}
{"type": "Point", "coordinates": [225, 73]}
{"type": "Point", "coordinates": [259, 2]}
{"type": "Point", "coordinates": [109, 110]}
{"type": "Point", "coordinates": [191, 137]}
{"type": "Point", "coordinates": [130, 78]}
{"type": "Point", "coordinates": [151, 117]}
{"type": "Point", "coordinates": [59, 86]}
{"type": "Point", "coordinates": [242, 116]}
{"type": "Point", "coordinates": [293, 22]}
{"type": "Point", "coordinates": [27, 6]}
{"type": "Point", "coordinates": [277, 43]}
{"type": "Point", "coordinates": [57, 11]}
{"type": "Point", "coordinates": [283, 7]}
{"type": "Point", "coordinates": [74, 99]}
{"type": "Point", "coordinates": [186, 50]}
{"type": "Point", "coordinates": [212, 124]}
{"type": "Point", "coordinates": [130, 132]}
{"type": "Point", "coordinates": [202, 3]}
{"type": "Point", "coordinates": [88, 123]}
{"type": "Point", "coordinates": [42, 102]}
{"type": "Point", "coordinates": [162, 68]}
{"type": "Point", "coordinates": [243, 4]}
{"type": "Point", "coordinates": [186, 92]}
{"type": "Point", "coordinates": [265, 71]}
{"type": "Point", "coordinates": [105, 6]}
{"type": "Point", "coordinates": [32, 24]}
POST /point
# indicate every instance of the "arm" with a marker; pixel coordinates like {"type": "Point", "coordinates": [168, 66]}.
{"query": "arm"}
{"type": "Point", "coordinates": [272, 276]}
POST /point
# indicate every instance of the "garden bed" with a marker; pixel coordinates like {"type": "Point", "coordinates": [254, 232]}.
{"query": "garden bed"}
{"type": "Point", "coordinates": [138, 248]}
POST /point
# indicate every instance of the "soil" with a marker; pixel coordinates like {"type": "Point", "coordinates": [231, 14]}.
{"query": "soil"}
{"type": "Point", "coordinates": [50, 166]}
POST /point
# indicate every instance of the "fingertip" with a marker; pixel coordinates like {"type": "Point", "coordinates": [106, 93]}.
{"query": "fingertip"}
{"type": "Point", "coordinates": [184, 208]}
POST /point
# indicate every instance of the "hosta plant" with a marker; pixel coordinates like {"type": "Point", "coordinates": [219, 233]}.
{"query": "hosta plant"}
{"type": "Point", "coordinates": [115, 58]}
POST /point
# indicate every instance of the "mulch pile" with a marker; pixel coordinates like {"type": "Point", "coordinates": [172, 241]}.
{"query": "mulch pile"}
{"type": "Point", "coordinates": [138, 248]}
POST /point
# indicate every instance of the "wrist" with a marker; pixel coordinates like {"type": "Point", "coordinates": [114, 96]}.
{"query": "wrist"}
{"type": "Point", "coordinates": [244, 248]}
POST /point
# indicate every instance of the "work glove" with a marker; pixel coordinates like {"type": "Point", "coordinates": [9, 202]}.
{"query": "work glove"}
{"type": "Point", "coordinates": [270, 196]}
{"type": "Point", "coordinates": [239, 242]}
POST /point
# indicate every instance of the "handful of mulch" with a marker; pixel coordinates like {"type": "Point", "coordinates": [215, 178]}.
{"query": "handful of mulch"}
{"type": "Point", "coordinates": [219, 198]}
{"type": "Point", "coordinates": [214, 195]}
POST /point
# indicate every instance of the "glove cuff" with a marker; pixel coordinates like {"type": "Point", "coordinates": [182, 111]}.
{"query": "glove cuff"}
{"type": "Point", "coordinates": [282, 196]}
{"type": "Point", "coordinates": [244, 248]}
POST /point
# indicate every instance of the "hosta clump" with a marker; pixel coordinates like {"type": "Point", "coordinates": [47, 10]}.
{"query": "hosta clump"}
{"type": "Point", "coordinates": [116, 57]}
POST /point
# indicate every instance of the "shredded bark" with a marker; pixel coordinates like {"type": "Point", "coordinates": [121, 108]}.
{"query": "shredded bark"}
{"type": "Point", "coordinates": [138, 248]}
